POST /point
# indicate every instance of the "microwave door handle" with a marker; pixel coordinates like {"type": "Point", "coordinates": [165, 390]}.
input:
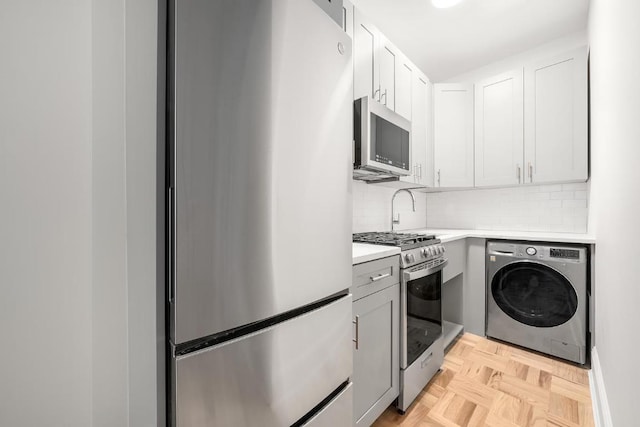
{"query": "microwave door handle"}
{"type": "Point", "coordinates": [413, 275]}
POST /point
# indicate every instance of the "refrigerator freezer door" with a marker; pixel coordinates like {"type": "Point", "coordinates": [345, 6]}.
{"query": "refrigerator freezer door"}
{"type": "Point", "coordinates": [337, 412]}
{"type": "Point", "coordinates": [261, 161]}
{"type": "Point", "coordinates": [271, 378]}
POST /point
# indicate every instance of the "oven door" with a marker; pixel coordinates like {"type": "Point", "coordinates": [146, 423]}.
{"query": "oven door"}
{"type": "Point", "coordinates": [421, 309]}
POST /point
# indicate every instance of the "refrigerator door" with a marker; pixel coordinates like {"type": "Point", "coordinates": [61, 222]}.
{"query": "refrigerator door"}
{"type": "Point", "coordinates": [271, 378]}
{"type": "Point", "coordinates": [261, 161]}
{"type": "Point", "coordinates": [336, 412]}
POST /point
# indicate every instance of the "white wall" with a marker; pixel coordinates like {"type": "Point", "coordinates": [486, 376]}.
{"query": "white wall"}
{"type": "Point", "coordinates": [78, 150]}
{"type": "Point", "coordinates": [552, 48]}
{"type": "Point", "coordinates": [372, 208]}
{"type": "Point", "coordinates": [615, 210]}
{"type": "Point", "coordinates": [145, 227]}
{"type": "Point", "coordinates": [45, 169]}
{"type": "Point", "coordinates": [126, 327]}
{"type": "Point", "coordinates": [556, 208]}
{"type": "Point", "coordinates": [110, 318]}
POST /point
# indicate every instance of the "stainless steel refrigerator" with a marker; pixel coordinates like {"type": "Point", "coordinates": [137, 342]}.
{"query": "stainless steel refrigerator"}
{"type": "Point", "coordinates": [259, 239]}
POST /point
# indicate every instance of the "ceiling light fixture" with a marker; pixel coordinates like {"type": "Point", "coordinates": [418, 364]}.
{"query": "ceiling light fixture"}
{"type": "Point", "coordinates": [443, 4]}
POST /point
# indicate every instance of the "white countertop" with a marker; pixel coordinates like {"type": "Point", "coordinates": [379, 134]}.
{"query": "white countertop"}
{"type": "Point", "coordinates": [363, 252]}
{"type": "Point", "coordinates": [540, 236]}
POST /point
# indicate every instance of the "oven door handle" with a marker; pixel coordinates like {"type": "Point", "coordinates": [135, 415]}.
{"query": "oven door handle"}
{"type": "Point", "coordinates": [413, 275]}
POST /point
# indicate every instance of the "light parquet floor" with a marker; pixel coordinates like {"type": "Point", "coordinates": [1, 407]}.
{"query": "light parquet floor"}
{"type": "Point", "coordinates": [486, 383]}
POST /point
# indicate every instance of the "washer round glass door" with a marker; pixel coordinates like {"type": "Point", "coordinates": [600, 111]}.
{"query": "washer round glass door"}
{"type": "Point", "coordinates": [534, 294]}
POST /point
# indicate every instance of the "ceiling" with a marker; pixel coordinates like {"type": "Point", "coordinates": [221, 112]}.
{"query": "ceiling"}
{"type": "Point", "coordinates": [447, 42]}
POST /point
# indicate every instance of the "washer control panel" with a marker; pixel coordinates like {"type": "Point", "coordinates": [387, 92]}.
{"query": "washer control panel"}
{"type": "Point", "coordinates": [563, 253]}
{"type": "Point", "coordinates": [537, 251]}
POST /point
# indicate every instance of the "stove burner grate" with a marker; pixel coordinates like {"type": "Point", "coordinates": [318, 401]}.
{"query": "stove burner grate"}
{"type": "Point", "coordinates": [403, 240]}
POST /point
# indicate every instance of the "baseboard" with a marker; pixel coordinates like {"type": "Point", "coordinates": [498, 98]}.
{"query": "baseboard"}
{"type": "Point", "coordinates": [601, 413]}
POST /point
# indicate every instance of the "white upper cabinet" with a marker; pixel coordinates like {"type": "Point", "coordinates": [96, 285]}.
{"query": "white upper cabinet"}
{"type": "Point", "coordinates": [375, 63]}
{"type": "Point", "coordinates": [419, 99]}
{"type": "Point", "coordinates": [388, 58]}
{"type": "Point", "coordinates": [403, 90]}
{"type": "Point", "coordinates": [555, 142]}
{"type": "Point", "coordinates": [384, 73]}
{"type": "Point", "coordinates": [499, 128]}
{"type": "Point", "coordinates": [366, 79]}
{"type": "Point", "coordinates": [427, 173]}
{"type": "Point", "coordinates": [453, 135]}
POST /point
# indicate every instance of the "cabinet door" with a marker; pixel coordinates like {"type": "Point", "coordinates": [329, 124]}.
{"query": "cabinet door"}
{"type": "Point", "coordinates": [376, 366]}
{"type": "Point", "coordinates": [499, 130]}
{"type": "Point", "coordinates": [419, 96]}
{"type": "Point", "coordinates": [365, 45]}
{"type": "Point", "coordinates": [453, 135]}
{"type": "Point", "coordinates": [427, 175]}
{"type": "Point", "coordinates": [556, 119]}
{"type": "Point", "coordinates": [388, 57]}
{"type": "Point", "coordinates": [404, 80]}
{"type": "Point", "coordinates": [347, 17]}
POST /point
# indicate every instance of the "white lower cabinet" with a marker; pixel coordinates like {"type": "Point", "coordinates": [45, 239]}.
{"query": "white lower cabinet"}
{"type": "Point", "coordinates": [376, 363]}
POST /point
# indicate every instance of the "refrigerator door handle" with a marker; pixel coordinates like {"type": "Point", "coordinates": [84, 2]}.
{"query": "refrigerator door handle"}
{"type": "Point", "coordinates": [171, 250]}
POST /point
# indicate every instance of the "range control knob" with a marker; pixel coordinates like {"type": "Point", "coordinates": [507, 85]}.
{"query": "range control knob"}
{"type": "Point", "coordinates": [409, 258]}
{"type": "Point", "coordinates": [531, 251]}
{"type": "Point", "coordinates": [424, 253]}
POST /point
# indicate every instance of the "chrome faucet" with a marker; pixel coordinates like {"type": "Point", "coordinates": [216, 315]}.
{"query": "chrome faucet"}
{"type": "Point", "coordinates": [413, 199]}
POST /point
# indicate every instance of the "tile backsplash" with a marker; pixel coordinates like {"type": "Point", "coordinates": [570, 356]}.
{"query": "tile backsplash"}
{"type": "Point", "coordinates": [372, 208]}
{"type": "Point", "coordinates": [556, 208]}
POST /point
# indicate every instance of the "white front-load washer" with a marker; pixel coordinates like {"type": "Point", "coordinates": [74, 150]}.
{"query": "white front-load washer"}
{"type": "Point", "coordinates": [537, 297]}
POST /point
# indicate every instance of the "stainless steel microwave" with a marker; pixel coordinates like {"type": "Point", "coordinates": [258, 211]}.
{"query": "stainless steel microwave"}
{"type": "Point", "coordinates": [382, 139]}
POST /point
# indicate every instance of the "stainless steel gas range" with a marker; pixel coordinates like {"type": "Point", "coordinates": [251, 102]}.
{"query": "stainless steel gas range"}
{"type": "Point", "coordinates": [421, 344]}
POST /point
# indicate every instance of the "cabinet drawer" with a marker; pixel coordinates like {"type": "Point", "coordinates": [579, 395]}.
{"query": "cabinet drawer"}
{"type": "Point", "coordinates": [370, 277]}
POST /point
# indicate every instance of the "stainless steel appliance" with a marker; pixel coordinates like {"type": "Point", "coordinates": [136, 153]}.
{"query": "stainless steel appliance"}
{"type": "Point", "coordinates": [382, 142]}
{"type": "Point", "coordinates": [537, 297]}
{"type": "Point", "coordinates": [421, 344]}
{"type": "Point", "coordinates": [260, 223]}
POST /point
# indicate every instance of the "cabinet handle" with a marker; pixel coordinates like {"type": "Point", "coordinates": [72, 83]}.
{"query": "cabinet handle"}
{"type": "Point", "coordinates": [426, 360]}
{"type": "Point", "coordinates": [374, 94]}
{"type": "Point", "coordinates": [385, 97]}
{"type": "Point", "coordinates": [518, 173]}
{"type": "Point", "coordinates": [530, 172]}
{"type": "Point", "coordinates": [420, 171]}
{"type": "Point", "coordinates": [357, 323]}
{"type": "Point", "coordinates": [438, 177]}
{"type": "Point", "coordinates": [379, 277]}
